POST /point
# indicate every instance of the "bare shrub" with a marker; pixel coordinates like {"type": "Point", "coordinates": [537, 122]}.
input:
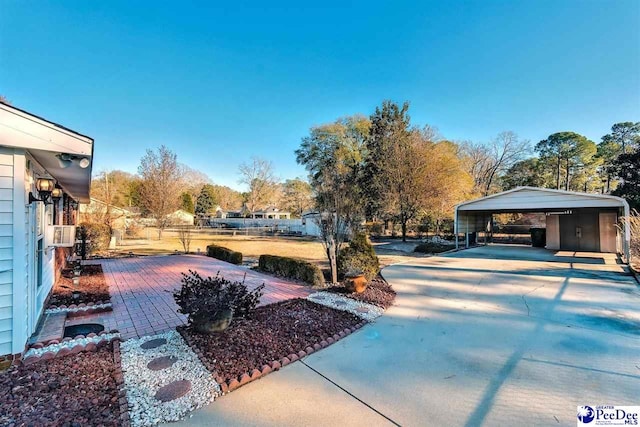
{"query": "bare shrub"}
{"type": "Point", "coordinates": [185, 235]}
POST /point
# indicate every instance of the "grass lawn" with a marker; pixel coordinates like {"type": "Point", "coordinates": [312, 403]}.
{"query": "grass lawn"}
{"type": "Point", "coordinates": [251, 246]}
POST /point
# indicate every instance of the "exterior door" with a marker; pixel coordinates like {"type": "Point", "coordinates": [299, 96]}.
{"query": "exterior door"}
{"type": "Point", "coordinates": [608, 232]}
{"type": "Point", "coordinates": [580, 231]}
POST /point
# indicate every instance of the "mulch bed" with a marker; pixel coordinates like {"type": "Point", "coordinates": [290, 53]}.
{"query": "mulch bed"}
{"type": "Point", "coordinates": [93, 287]}
{"type": "Point", "coordinates": [271, 333]}
{"type": "Point", "coordinates": [74, 390]}
{"type": "Point", "coordinates": [379, 293]}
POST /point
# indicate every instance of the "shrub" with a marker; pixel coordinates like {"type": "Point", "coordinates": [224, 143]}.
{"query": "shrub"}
{"type": "Point", "coordinates": [206, 299]}
{"type": "Point", "coordinates": [224, 254]}
{"type": "Point", "coordinates": [433, 248]}
{"type": "Point", "coordinates": [96, 235]}
{"type": "Point", "coordinates": [292, 268]}
{"type": "Point", "coordinates": [358, 258]}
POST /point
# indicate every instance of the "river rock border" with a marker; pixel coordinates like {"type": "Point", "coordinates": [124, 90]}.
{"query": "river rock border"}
{"type": "Point", "coordinates": [363, 310]}
{"type": "Point", "coordinates": [81, 309]}
{"type": "Point", "coordinates": [80, 343]}
{"type": "Point", "coordinates": [149, 392]}
{"type": "Point", "coordinates": [229, 385]}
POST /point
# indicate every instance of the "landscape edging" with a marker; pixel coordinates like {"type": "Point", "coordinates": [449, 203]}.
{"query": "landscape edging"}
{"type": "Point", "coordinates": [229, 385]}
{"type": "Point", "coordinates": [125, 419]}
{"type": "Point", "coordinates": [91, 346]}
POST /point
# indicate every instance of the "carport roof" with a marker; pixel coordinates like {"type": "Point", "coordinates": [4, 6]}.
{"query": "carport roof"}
{"type": "Point", "coordinates": [533, 199]}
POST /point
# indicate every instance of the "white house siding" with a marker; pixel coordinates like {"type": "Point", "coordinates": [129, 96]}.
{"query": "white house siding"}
{"type": "Point", "coordinates": [6, 250]}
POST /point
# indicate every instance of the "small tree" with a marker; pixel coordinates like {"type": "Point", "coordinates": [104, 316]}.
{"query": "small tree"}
{"type": "Point", "coordinates": [161, 185]}
{"type": "Point", "coordinates": [259, 178]}
{"type": "Point", "coordinates": [185, 235]}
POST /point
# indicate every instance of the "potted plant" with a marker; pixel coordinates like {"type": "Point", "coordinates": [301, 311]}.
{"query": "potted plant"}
{"type": "Point", "coordinates": [355, 281]}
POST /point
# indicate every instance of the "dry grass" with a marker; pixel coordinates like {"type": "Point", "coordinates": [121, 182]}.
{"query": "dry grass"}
{"type": "Point", "coordinates": [250, 246]}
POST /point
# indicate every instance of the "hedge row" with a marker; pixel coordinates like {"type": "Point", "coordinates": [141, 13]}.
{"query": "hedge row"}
{"type": "Point", "coordinates": [224, 254]}
{"type": "Point", "coordinates": [292, 268]}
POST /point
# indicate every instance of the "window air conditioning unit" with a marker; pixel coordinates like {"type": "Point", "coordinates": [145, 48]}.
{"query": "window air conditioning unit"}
{"type": "Point", "coordinates": [62, 236]}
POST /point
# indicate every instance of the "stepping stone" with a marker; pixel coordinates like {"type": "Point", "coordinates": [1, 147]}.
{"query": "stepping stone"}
{"type": "Point", "coordinates": [153, 343]}
{"type": "Point", "coordinates": [340, 303]}
{"type": "Point", "coordinates": [319, 297]}
{"type": "Point", "coordinates": [160, 363]}
{"type": "Point", "coordinates": [362, 310]}
{"type": "Point", "coordinates": [173, 390]}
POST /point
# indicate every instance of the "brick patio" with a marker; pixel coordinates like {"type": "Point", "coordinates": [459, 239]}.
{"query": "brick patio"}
{"type": "Point", "coordinates": [141, 290]}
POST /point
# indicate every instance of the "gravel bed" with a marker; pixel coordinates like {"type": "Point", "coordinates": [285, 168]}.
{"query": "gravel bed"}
{"type": "Point", "coordinates": [75, 390]}
{"type": "Point", "coordinates": [142, 383]}
{"type": "Point", "coordinates": [361, 309]}
{"type": "Point", "coordinates": [78, 309]}
{"type": "Point", "coordinates": [54, 348]}
{"type": "Point", "coordinates": [379, 293]}
{"type": "Point", "coordinates": [93, 287]}
{"type": "Point", "coordinates": [271, 332]}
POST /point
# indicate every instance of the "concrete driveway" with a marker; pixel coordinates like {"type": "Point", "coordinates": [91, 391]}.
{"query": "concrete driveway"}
{"type": "Point", "coordinates": [488, 336]}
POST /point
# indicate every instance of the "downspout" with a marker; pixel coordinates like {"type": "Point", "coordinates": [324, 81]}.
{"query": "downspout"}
{"type": "Point", "coordinates": [627, 232]}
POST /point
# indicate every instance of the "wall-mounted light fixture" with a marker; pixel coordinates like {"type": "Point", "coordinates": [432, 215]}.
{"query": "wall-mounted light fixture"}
{"type": "Point", "coordinates": [66, 160]}
{"type": "Point", "coordinates": [56, 193]}
{"type": "Point", "coordinates": [45, 187]}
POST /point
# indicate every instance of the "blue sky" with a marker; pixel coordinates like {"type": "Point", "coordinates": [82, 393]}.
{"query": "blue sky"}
{"type": "Point", "coordinates": [218, 84]}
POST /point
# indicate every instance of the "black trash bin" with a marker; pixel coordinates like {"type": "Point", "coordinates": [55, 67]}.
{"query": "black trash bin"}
{"type": "Point", "coordinates": [538, 237]}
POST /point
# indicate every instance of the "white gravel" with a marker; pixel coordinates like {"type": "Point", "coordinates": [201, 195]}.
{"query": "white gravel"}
{"type": "Point", "coordinates": [141, 383]}
{"type": "Point", "coordinates": [77, 309]}
{"type": "Point", "coordinates": [69, 344]}
{"type": "Point", "coordinates": [351, 305]}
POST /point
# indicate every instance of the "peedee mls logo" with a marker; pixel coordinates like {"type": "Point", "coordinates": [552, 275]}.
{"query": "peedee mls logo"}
{"type": "Point", "coordinates": [607, 415]}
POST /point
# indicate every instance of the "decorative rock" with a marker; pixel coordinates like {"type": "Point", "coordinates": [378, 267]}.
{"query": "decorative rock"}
{"type": "Point", "coordinates": [359, 308]}
{"type": "Point", "coordinates": [339, 303]}
{"type": "Point", "coordinates": [153, 343]}
{"type": "Point", "coordinates": [173, 390]}
{"type": "Point", "coordinates": [362, 310]}
{"type": "Point", "coordinates": [160, 363]}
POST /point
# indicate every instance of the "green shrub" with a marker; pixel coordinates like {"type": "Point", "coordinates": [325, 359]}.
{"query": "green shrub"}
{"type": "Point", "coordinates": [358, 257]}
{"type": "Point", "coordinates": [433, 248]}
{"type": "Point", "coordinates": [224, 254]}
{"type": "Point", "coordinates": [97, 236]}
{"type": "Point", "coordinates": [292, 268]}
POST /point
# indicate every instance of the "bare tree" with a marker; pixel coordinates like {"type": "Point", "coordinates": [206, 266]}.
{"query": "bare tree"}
{"type": "Point", "coordinates": [259, 177]}
{"type": "Point", "coordinates": [185, 236]}
{"type": "Point", "coordinates": [486, 162]}
{"type": "Point", "coordinates": [161, 185]}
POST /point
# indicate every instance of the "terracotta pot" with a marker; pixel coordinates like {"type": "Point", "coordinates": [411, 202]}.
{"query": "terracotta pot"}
{"type": "Point", "coordinates": [356, 284]}
{"type": "Point", "coordinates": [217, 324]}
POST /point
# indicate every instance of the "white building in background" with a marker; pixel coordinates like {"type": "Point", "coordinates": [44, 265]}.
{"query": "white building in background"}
{"type": "Point", "coordinates": [45, 171]}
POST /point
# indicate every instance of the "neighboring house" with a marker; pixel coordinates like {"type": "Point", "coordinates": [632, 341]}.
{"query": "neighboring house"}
{"type": "Point", "coordinates": [45, 171]}
{"type": "Point", "coordinates": [271, 213]}
{"type": "Point", "coordinates": [97, 210]}
{"type": "Point", "coordinates": [181, 217]}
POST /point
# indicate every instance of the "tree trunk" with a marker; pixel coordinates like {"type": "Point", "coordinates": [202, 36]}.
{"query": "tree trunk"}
{"type": "Point", "coordinates": [404, 229]}
{"type": "Point", "coordinates": [331, 254]}
{"type": "Point", "coordinates": [566, 177]}
{"type": "Point", "coordinates": [558, 174]}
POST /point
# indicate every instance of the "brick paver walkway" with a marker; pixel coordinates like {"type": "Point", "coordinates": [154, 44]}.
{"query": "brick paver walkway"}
{"type": "Point", "coordinates": [141, 290]}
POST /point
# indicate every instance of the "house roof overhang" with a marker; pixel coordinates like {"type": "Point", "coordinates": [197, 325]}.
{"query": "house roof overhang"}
{"type": "Point", "coordinates": [46, 141]}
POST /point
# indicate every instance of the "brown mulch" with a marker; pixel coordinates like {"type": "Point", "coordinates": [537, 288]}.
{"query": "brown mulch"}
{"type": "Point", "coordinates": [93, 287]}
{"type": "Point", "coordinates": [272, 332]}
{"type": "Point", "coordinates": [379, 293]}
{"type": "Point", "coordinates": [74, 390]}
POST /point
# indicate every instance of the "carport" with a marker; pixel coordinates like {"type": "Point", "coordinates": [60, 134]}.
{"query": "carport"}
{"type": "Point", "coordinates": [574, 221]}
